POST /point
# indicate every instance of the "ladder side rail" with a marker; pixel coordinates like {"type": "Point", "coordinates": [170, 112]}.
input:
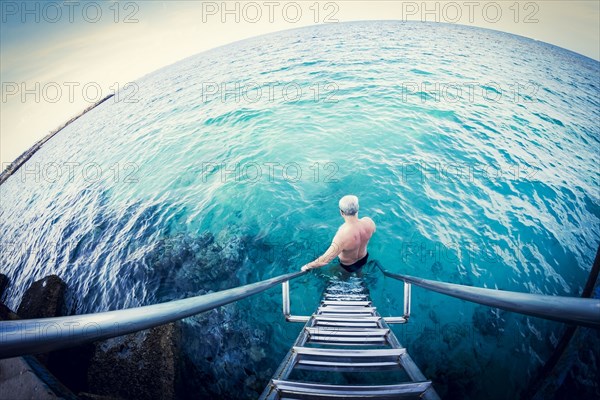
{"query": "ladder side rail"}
{"type": "Point", "coordinates": [287, 365]}
{"type": "Point", "coordinates": [407, 362]}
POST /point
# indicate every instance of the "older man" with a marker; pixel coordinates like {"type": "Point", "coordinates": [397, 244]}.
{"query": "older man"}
{"type": "Point", "coordinates": [350, 241]}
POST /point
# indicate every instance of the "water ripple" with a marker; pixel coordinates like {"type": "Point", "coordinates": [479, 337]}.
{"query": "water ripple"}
{"type": "Point", "coordinates": [203, 192]}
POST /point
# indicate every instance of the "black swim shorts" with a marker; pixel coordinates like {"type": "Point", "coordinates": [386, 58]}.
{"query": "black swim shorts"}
{"type": "Point", "coordinates": [357, 265]}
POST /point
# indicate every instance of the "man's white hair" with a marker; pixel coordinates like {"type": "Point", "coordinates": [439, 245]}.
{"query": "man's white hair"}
{"type": "Point", "coordinates": [349, 204]}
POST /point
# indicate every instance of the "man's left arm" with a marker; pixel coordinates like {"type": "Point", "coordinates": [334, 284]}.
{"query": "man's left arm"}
{"type": "Point", "coordinates": [332, 252]}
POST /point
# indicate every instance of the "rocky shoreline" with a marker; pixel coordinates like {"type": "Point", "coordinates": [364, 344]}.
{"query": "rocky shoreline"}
{"type": "Point", "coordinates": [222, 353]}
{"type": "Point", "coordinates": [142, 365]}
{"type": "Point", "coordinates": [22, 159]}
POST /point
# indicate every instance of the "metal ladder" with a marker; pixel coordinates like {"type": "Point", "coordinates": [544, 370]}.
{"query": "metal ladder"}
{"type": "Point", "coordinates": [347, 318]}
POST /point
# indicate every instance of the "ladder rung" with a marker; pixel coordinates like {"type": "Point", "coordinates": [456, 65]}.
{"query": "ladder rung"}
{"type": "Point", "coordinates": [349, 340]}
{"type": "Point", "coordinates": [348, 366]}
{"type": "Point", "coordinates": [347, 318]}
{"type": "Point", "coordinates": [347, 328]}
{"type": "Point", "coordinates": [347, 334]}
{"type": "Point", "coordinates": [348, 325]}
{"type": "Point", "coordinates": [349, 353]}
{"type": "Point", "coordinates": [348, 359]}
{"type": "Point", "coordinates": [347, 309]}
{"type": "Point", "coordinates": [338, 332]}
{"type": "Point", "coordinates": [357, 303]}
{"type": "Point", "coordinates": [308, 390]}
{"type": "Point", "coordinates": [345, 298]}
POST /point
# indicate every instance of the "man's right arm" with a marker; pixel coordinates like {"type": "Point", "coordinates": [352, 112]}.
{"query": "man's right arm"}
{"type": "Point", "coordinates": [332, 252]}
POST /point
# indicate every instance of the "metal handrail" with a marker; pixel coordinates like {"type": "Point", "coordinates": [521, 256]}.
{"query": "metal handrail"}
{"type": "Point", "coordinates": [34, 336]}
{"type": "Point", "coordinates": [573, 310]}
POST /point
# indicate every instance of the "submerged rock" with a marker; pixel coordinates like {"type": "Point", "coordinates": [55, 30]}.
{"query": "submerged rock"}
{"type": "Point", "coordinates": [453, 334]}
{"type": "Point", "coordinates": [436, 268]}
{"type": "Point", "coordinates": [223, 351]}
{"type": "Point", "coordinates": [433, 317]}
{"type": "Point", "coordinates": [487, 322]}
{"type": "Point", "coordinates": [186, 265]}
{"type": "Point", "coordinates": [458, 378]}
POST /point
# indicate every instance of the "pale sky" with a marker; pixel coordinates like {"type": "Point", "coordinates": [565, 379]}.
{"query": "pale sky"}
{"type": "Point", "coordinates": [50, 50]}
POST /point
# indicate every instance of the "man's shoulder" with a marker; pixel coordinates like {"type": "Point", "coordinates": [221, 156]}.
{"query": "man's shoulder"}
{"type": "Point", "coordinates": [368, 219]}
{"type": "Point", "coordinates": [345, 230]}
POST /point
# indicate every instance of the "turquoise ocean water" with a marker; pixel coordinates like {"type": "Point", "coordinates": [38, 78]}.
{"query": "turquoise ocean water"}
{"type": "Point", "coordinates": [474, 151]}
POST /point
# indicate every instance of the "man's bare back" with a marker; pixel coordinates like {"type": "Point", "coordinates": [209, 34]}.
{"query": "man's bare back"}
{"type": "Point", "coordinates": [356, 236]}
{"type": "Point", "coordinates": [351, 240]}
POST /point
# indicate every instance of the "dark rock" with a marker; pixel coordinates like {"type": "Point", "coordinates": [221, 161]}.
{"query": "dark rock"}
{"type": "Point", "coordinates": [436, 267]}
{"type": "Point", "coordinates": [223, 352]}
{"type": "Point", "coordinates": [217, 342]}
{"type": "Point", "coordinates": [3, 284]}
{"type": "Point", "coordinates": [433, 317]}
{"type": "Point", "coordinates": [453, 334]}
{"type": "Point", "coordinates": [581, 380]}
{"type": "Point", "coordinates": [44, 298]}
{"type": "Point", "coordinates": [458, 378]}
{"type": "Point", "coordinates": [487, 322]}
{"type": "Point", "coordinates": [91, 396]}
{"type": "Point", "coordinates": [142, 365]}
{"type": "Point", "coordinates": [185, 265]}
{"type": "Point", "coordinates": [6, 314]}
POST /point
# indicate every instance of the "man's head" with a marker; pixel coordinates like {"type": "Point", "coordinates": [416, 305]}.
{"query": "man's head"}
{"type": "Point", "coordinates": [349, 205]}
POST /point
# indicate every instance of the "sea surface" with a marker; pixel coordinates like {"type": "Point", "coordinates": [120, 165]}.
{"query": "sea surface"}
{"type": "Point", "coordinates": [474, 151]}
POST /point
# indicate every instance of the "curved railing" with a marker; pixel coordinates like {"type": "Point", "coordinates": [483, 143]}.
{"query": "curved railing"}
{"type": "Point", "coordinates": [33, 336]}
{"type": "Point", "coordinates": [573, 310]}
